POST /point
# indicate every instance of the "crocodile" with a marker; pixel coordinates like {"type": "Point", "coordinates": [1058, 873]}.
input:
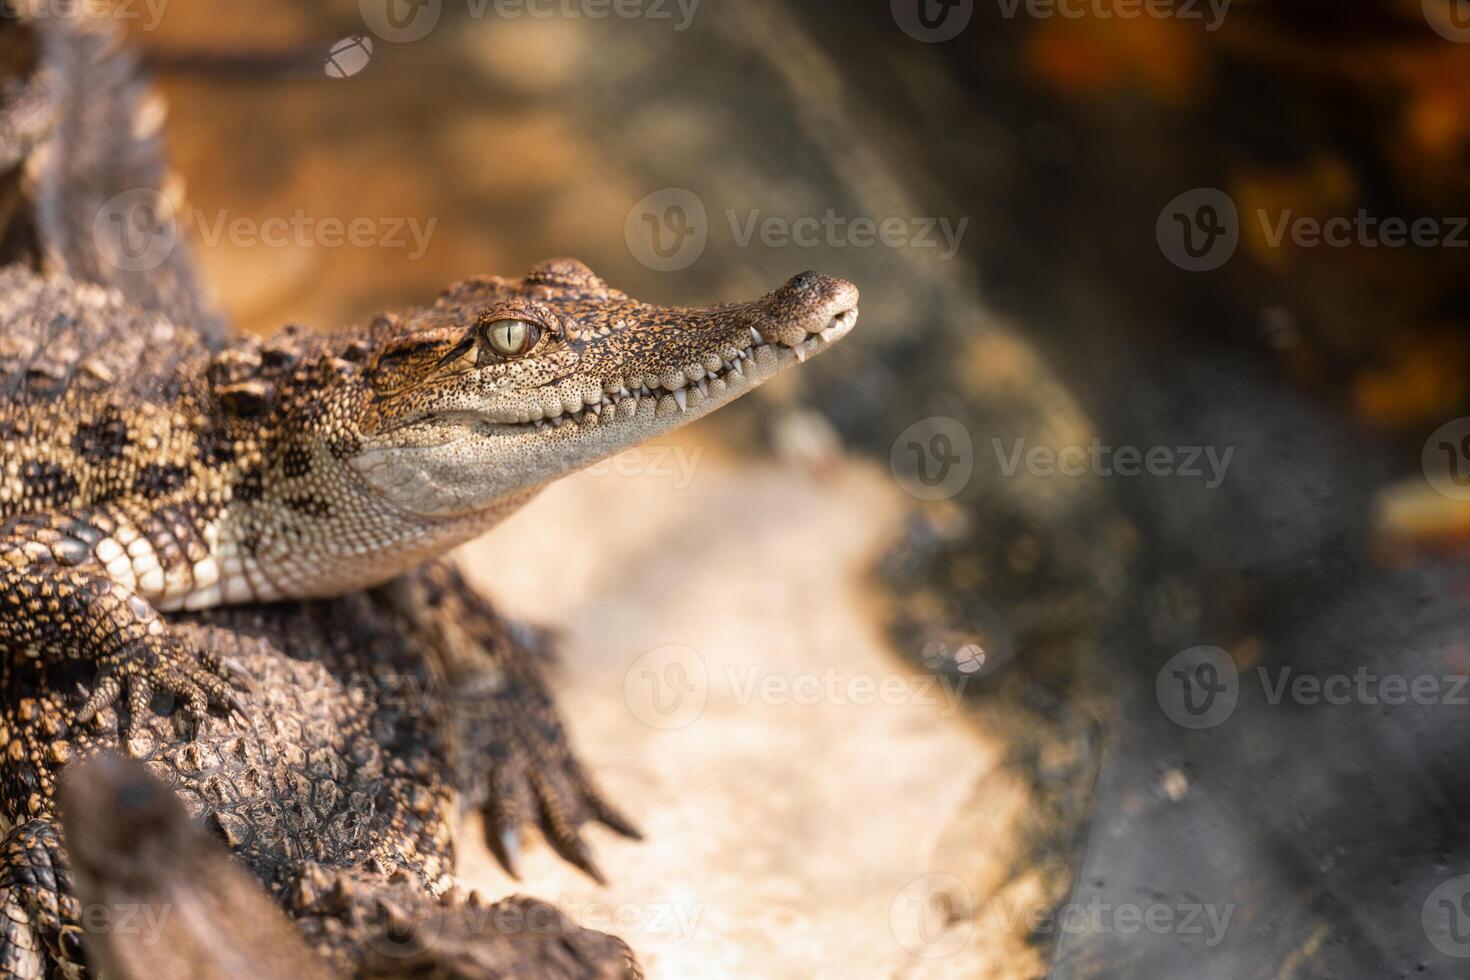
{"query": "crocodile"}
{"type": "Point", "coordinates": [373, 720]}
{"type": "Point", "coordinates": [150, 474]}
{"type": "Point", "coordinates": [145, 470]}
{"type": "Point", "coordinates": [155, 466]}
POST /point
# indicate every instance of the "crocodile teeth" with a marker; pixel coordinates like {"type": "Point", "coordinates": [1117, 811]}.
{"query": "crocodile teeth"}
{"type": "Point", "coordinates": [756, 336]}
{"type": "Point", "coordinates": [681, 396]}
{"type": "Point", "coordinates": [703, 386]}
{"type": "Point", "coordinates": [800, 353]}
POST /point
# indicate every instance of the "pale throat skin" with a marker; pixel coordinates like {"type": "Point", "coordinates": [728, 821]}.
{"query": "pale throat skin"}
{"type": "Point", "coordinates": [420, 434]}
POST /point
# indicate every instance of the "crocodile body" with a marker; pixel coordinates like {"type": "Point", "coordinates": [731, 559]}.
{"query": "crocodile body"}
{"type": "Point", "coordinates": [150, 465]}
{"type": "Point", "coordinates": [377, 720]}
{"type": "Point", "coordinates": [158, 478]}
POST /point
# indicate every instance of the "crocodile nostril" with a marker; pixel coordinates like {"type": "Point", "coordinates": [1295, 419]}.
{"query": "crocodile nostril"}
{"type": "Point", "coordinates": [812, 288]}
{"type": "Point", "coordinates": [807, 281]}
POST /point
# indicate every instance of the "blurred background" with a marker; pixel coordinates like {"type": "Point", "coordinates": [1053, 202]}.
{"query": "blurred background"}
{"type": "Point", "coordinates": [1098, 608]}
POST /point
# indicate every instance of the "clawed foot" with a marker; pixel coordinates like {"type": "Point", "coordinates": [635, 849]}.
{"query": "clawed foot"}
{"type": "Point", "coordinates": [198, 678]}
{"type": "Point", "coordinates": [534, 778]}
{"type": "Point", "coordinates": [514, 744]}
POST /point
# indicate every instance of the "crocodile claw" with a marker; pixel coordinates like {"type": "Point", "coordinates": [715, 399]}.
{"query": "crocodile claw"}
{"type": "Point", "coordinates": [198, 679]}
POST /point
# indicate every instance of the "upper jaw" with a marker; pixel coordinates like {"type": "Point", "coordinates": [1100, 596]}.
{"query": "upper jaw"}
{"type": "Point", "coordinates": [726, 371]}
{"type": "Point", "coordinates": [723, 353]}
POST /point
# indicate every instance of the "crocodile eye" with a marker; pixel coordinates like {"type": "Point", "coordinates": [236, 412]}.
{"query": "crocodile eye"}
{"type": "Point", "coordinates": [511, 338]}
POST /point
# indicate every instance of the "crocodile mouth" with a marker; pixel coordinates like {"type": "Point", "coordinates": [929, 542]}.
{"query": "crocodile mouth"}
{"type": "Point", "coordinates": [725, 374]}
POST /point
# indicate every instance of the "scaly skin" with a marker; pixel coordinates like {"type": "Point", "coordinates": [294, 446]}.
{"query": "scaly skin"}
{"type": "Point", "coordinates": [312, 466]}
{"type": "Point", "coordinates": [191, 910]}
{"type": "Point", "coordinates": [152, 464]}
{"type": "Point", "coordinates": [376, 720]}
{"type": "Point", "coordinates": [179, 907]}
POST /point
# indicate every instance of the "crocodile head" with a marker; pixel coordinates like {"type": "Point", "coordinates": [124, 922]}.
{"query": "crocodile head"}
{"type": "Point", "coordinates": [504, 385]}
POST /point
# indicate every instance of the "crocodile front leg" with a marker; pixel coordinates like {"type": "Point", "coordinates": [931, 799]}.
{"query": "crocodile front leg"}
{"type": "Point", "coordinates": [40, 917]}
{"type": "Point", "coordinates": [57, 601]}
{"type": "Point", "coordinates": [514, 757]}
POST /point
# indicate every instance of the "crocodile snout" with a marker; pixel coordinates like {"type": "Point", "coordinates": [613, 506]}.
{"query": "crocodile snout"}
{"type": "Point", "coordinates": [810, 303]}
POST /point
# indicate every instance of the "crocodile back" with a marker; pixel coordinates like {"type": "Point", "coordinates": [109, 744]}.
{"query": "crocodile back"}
{"type": "Point", "coordinates": [92, 196]}
{"type": "Point", "coordinates": [59, 337]}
